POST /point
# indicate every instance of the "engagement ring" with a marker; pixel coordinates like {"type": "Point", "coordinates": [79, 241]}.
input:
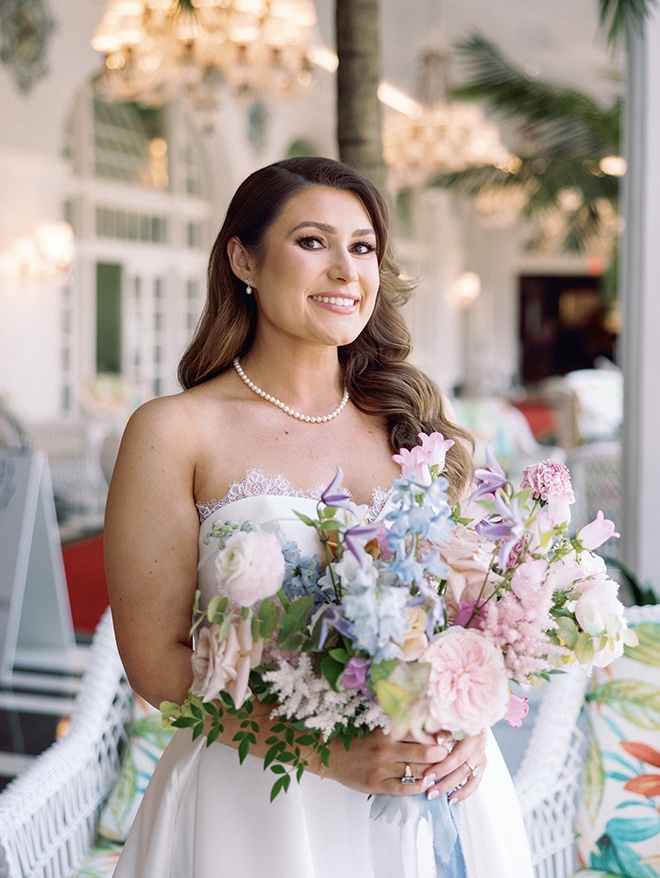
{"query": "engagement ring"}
{"type": "Point", "coordinates": [407, 775]}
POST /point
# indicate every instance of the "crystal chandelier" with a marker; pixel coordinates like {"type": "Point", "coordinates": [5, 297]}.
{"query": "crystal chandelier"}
{"type": "Point", "coordinates": [154, 49]}
{"type": "Point", "coordinates": [434, 135]}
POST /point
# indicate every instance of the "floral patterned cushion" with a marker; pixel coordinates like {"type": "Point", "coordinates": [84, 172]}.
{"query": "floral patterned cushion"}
{"type": "Point", "coordinates": [619, 820]}
{"type": "Point", "coordinates": [100, 862]}
{"type": "Point", "coordinates": [148, 740]}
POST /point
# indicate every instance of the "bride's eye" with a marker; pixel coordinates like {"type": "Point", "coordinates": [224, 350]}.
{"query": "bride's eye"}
{"type": "Point", "coordinates": [363, 248]}
{"type": "Point", "coordinates": [310, 242]}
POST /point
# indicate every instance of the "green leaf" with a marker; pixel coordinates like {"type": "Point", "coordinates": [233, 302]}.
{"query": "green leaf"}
{"type": "Point", "coordinates": [340, 654]}
{"type": "Point", "coordinates": [281, 785]}
{"type": "Point", "coordinates": [635, 700]}
{"type": "Point", "coordinates": [584, 649]}
{"type": "Point", "coordinates": [243, 749]}
{"type": "Point", "coordinates": [273, 753]}
{"type": "Point", "coordinates": [332, 670]}
{"type": "Point", "coordinates": [293, 622]}
{"type": "Point", "coordinates": [306, 519]}
{"type": "Point", "coordinates": [567, 631]}
{"type": "Point", "coordinates": [278, 769]}
{"type": "Point", "coordinates": [647, 650]}
{"type": "Point", "coordinates": [381, 671]}
{"type": "Point", "coordinates": [185, 722]}
{"type": "Point", "coordinates": [593, 782]}
{"type": "Point", "coordinates": [213, 735]}
{"type": "Point", "coordinates": [268, 616]}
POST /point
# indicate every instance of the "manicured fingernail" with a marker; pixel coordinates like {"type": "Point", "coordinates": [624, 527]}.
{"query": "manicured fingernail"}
{"type": "Point", "coordinates": [432, 794]}
{"type": "Point", "coordinates": [454, 801]}
{"type": "Point", "coordinates": [429, 779]}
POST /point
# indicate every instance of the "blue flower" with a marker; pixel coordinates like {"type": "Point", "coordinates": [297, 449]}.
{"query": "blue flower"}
{"type": "Point", "coordinates": [302, 574]}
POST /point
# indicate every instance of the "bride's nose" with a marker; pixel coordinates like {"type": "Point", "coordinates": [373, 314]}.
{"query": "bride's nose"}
{"type": "Point", "coordinates": [342, 267]}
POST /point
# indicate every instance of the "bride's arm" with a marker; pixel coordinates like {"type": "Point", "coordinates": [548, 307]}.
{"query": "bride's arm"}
{"type": "Point", "coordinates": [150, 536]}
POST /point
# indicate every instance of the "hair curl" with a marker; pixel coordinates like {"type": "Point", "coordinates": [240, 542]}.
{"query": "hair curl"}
{"type": "Point", "coordinates": [377, 374]}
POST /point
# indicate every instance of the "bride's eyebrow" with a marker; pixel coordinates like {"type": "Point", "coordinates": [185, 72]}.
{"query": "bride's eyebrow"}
{"type": "Point", "coordinates": [331, 230]}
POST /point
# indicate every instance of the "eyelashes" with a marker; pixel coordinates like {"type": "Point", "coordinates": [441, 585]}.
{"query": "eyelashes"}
{"type": "Point", "coordinates": [312, 242]}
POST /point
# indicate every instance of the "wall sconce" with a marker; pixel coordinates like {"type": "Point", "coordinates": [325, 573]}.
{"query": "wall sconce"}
{"type": "Point", "coordinates": [47, 254]}
{"type": "Point", "coordinates": [466, 289]}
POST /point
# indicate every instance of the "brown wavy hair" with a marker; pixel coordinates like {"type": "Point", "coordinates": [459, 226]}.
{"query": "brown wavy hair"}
{"type": "Point", "coordinates": [377, 374]}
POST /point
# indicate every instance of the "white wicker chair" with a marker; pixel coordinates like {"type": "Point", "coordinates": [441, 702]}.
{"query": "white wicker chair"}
{"type": "Point", "coordinates": [548, 779]}
{"type": "Point", "coordinates": [48, 814]}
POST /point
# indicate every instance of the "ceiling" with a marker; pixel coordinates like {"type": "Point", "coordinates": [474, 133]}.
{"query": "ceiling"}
{"type": "Point", "coordinates": [555, 39]}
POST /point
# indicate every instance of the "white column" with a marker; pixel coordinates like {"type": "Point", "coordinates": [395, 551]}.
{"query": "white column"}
{"type": "Point", "coordinates": [640, 295]}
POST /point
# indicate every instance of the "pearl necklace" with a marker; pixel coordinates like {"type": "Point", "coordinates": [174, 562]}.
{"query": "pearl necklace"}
{"type": "Point", "coordinates": [308, 419]}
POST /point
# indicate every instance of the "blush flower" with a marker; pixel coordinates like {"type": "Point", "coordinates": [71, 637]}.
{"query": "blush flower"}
{"type": "Point", "coordinates": [550, 482]}
{"type": "Point", "coordinates": [436, 447]}
{"type": "Point", "coordinates": [224, 663]}
{"type": "Point", "coordinates": [595, 533]}
{"type": "Point", "coordinates": [516, 710]}
{"type": "Point", "coordinates": [415, 640]}
{"type": "Point", "coordinates": [468, 686]}
{"type": "Point", "coordinates": [414, 462]}
{"type": "Point", "coordinates": [250, 567]}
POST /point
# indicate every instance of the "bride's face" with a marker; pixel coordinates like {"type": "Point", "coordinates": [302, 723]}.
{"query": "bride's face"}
{"type": "Point", "coordinates": [318, 278]}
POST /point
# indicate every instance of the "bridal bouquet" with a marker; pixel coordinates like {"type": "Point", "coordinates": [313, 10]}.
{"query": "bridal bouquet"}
{"type": "Point", "coordinates": [417, 623]}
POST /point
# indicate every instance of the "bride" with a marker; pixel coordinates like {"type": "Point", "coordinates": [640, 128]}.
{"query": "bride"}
{"type": "Point", "coordinates": [298, 366]}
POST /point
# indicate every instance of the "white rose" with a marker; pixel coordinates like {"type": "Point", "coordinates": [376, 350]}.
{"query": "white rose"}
{"type": "Point", "coordinates": [250, 567]}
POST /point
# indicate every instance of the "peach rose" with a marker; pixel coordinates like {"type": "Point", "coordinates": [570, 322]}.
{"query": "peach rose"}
{"type": "Point", "coordinates": [224, 664]}
{"type": "Point", "coordinates": [415, 640]}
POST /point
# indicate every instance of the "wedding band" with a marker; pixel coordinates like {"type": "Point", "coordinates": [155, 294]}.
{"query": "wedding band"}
{"type": "Point", "coordinates": [473, 771]}
{"type": "Point", "coordinates": [449, 744]}
{"type": "Point", "coordinates": [407, 775]}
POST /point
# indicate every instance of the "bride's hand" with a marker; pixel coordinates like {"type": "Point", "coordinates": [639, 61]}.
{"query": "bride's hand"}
{"type": "Point", "coordinates": [376, 763]}
{"type": "Point", "coordinates": [461, 769]}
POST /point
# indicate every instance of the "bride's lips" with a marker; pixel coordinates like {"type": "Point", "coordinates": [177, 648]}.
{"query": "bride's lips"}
{"type": "Point", "coordinates": [339, 303]}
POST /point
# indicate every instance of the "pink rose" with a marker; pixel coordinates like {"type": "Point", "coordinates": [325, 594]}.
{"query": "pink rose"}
{"type": "Point", "coordinates": [550, 482]}
{"type": "Point", "coordinates": [595, 533]}
{"type": "Point", "coordinates": [468, 686]}
{"type": "Point", "coordinates": [224, 664]}
{"type": "Point", "coordinates": [250, 567]}
{"type": "Point", "coordinates": [516, 711]}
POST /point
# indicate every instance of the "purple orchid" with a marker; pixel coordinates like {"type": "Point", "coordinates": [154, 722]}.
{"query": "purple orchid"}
{"type": "Point", "coordinates": [356, 537]}
{"type": "Point", "coordinates": [355, 675]}
{"type": "Point", "coordinates": [337, 496]}
{"type": "Point", "coordinates": [491, 477]}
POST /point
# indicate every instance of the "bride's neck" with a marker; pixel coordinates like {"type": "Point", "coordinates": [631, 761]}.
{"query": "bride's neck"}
{"type": "Point", "coordinates": [296, 379]}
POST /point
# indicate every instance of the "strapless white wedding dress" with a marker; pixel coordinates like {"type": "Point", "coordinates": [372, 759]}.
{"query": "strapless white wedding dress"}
{"type": "Point", "coordinates": [204, 815]}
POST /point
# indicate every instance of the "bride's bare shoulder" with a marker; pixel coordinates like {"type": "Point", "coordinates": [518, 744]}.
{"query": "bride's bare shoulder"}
{"type": "Point", "coordinates": [180, 417]}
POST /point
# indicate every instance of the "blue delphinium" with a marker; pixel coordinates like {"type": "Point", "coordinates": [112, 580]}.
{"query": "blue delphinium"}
{"type": "Point", "coordinates": [302, 574]}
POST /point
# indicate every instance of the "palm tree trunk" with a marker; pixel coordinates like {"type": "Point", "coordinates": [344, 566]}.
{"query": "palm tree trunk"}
{"type": "Point", "coordinates": [358, 110]}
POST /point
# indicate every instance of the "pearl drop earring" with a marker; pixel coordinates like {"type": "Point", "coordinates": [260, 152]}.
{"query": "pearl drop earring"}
{"type": "Point", "coordinates": [248, 286]}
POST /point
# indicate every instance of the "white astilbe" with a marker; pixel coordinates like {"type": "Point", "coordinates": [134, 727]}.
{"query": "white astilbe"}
{"type": "Point", "coordinates": [302, 695]}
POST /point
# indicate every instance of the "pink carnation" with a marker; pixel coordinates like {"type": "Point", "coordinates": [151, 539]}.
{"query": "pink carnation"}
{"type": "Point", "coordinates": [250, 567]}
{"type": "Point", "coordinates": [550, 482]}
{"type": "Point", "coordinates": [468, 687]}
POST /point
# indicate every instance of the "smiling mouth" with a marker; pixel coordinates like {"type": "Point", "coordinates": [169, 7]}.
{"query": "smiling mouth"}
{"type": "Point", "coordinates": [338, 301]}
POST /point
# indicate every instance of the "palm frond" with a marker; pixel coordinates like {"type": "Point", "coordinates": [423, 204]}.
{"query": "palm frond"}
{"type": "Point", "coordinates": [617, 16]}
{"type": "Point", "coordinates": [546, 117]}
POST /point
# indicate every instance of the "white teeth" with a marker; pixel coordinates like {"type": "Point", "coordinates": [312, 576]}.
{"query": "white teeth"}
{"type": "Point", "coordinates": [335, 300]}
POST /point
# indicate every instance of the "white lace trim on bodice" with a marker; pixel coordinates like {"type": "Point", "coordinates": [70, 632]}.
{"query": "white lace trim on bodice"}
{"type": "Point", "coordinates": [256, 483]}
